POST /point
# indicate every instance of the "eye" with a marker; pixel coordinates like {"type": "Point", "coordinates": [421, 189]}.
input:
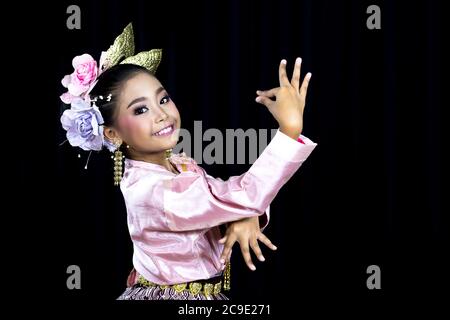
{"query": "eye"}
{"type": "Point", "coordinates": [165, 100]}
{"type": "Point", "coordinates": [140, 110]}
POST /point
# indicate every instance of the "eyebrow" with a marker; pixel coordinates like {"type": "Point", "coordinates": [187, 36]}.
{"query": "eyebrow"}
{"type": "Point", "coordinates": [144, 98]}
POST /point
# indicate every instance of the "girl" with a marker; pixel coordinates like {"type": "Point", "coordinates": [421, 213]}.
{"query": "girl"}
{"type": "Point", "coordinates": [174, 208]}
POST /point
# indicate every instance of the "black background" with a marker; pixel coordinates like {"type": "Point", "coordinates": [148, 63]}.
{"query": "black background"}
{"type": "Point", "coordinates": [371, 192]}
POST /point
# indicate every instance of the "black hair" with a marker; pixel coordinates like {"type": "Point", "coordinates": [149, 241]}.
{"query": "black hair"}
{"type": "Point", "coordinates": [109, 83]}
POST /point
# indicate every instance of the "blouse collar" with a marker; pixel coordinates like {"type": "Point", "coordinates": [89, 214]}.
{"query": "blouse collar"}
{"type": "Point", "coordinates": [175, 159]}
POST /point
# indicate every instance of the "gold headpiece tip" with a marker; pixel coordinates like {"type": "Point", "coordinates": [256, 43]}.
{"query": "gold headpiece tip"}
{"type": "Point", "coordinates": [129, 29]}
{"type": "Point", "coordinates": [147, 59]}
{"type": "Point", "coordinates": [123, 47]}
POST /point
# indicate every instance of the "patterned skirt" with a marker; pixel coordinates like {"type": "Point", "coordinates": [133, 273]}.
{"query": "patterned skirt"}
{"type": "Point", "coordinates": [140, 292]}
{"type": "Point", "coordinates": [141, 289]}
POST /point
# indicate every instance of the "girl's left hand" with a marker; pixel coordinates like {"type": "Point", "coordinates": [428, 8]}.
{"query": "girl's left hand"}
{"type": "Point", "coordinates": [246, 232]}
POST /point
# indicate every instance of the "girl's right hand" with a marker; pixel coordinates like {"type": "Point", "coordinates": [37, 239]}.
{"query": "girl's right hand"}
{"type": "Point", "coordinates": [246, 232]}
{"type": "Point", "coordinates": [288, 107]}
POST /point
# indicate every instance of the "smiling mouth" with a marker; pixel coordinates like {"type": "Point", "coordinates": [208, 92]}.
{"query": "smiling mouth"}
{"type": "Point", "coordinates": [164, 132]}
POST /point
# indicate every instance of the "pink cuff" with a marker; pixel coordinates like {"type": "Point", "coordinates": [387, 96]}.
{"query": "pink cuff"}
{"type": "Point", "coordinates": [300, 140]}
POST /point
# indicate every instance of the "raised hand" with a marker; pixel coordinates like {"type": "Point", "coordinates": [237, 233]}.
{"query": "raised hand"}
{"type": "Point", "coordinates": [290, 98]}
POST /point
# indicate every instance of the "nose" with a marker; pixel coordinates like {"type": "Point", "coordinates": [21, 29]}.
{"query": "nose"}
{"type": "Point", "coordinates": [161, 116]}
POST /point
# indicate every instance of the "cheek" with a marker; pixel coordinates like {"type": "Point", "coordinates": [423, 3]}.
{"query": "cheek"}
{"type": "Point", "coordinates": [131, 127]}
{"type": "Point", "coordinates": [173, 110]}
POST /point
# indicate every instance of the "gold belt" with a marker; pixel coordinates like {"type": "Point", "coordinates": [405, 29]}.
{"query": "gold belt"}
{"type": "Point", "coordinates": [194, 287]}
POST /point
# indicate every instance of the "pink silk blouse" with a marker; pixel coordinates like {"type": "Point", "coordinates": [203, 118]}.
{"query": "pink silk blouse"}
{"type": "Point", "coordinates": [173, 218]}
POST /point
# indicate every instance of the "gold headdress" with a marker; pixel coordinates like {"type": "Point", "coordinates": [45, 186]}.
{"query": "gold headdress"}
{"type": "Point", "coordinates": [123, 48]}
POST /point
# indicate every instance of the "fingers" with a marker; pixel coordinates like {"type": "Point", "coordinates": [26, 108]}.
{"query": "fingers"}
{"type": "Point", "coordinates": [264, 96]}
{"type": "Point", "coordinates": [304, 88]}
{"type": "Point", "coordinates": [246, 254]}
{"type": "Point", "coordinates": [265, 101]}
{"type": "Point", "coordinates": [223, 239]}
{"type": "Point", "coordinates": [266, 241]}
{"type": "Point", "coordinates": [257, 250]}
{"type": "Point", "coordinates": [284, 81]}
{"type": "Point", "coordinates": [227, 248]}
{"type": "Point", "coordinates": [295, 81]}
{"type": "Point", "coordinates": [268, 93]}
{"type": "Point", "coordinates": [228, 259]}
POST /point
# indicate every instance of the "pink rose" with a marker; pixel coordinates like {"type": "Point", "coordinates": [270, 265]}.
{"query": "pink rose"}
{"type": "Point", "coordinates": [80, 80]}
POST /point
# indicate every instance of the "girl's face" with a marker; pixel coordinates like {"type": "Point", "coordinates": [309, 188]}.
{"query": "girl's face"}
{"type": "Point", "coordinates": [147, 120]}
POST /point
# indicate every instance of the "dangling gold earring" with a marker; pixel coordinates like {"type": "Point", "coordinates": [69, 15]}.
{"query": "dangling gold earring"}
{"type": "Point", "coordinates": [227, 277]}
{"type": "Point", "coordinates": [168, 153]}
{"type": "Point", "coordinates": [118, 157]}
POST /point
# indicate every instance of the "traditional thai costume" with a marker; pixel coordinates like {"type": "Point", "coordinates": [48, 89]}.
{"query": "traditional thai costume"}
{"type": "Point", "coordinates": [173, 218]}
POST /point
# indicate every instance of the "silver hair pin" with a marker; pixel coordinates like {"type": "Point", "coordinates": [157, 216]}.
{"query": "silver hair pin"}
{"type": "Point", "coordinates": [87, 162]}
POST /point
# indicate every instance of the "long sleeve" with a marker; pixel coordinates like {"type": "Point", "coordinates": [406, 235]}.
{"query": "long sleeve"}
{"type": "Point", "coordinates": [195, 200]}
